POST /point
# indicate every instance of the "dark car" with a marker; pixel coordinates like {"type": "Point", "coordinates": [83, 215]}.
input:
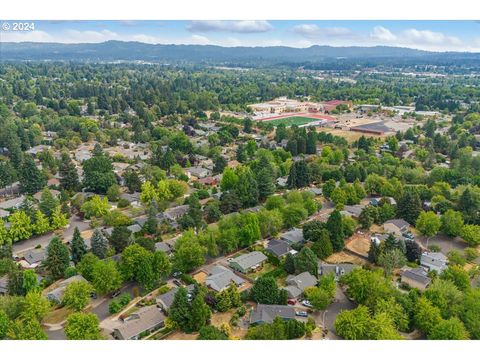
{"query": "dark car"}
{"type": "Point", "coordinates": [115, 294]}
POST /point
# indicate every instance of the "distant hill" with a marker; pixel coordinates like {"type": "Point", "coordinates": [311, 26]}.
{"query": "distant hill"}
{"type": "Point", "coordinates": [136, 51]}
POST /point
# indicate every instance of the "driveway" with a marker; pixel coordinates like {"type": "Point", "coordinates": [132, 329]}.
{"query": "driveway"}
{"type": "Point", "coordinates": [56, 334]}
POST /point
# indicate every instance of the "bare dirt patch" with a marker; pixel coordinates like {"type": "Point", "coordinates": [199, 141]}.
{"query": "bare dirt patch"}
{"type": "Point", "coordinates": [57, 316]}
{"type": "Point", "coordinates": [178, 335]}
{"type": "Point", "coordinates": [359, 244]}
{"type": "Point", "coordinates": [343, 257]}
{"type": "Point", "coordinates": [200, 277]}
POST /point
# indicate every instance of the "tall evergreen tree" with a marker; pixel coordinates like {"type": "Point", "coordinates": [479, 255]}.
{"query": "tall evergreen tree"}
{"type": "Point", "coordinates": [78, 246]}
{"type": "Point", "coordinates": [246, 188]}
{"type": "Point", "coordinates": [58, 258]}
{"type": "Point", "coordinates": [335, 228]}
{"type": "Point", "coordinates": [299, 175]}
{"type": "Point", "coordinates": [409, 206]}
{"type": "Point", "coordinates": [311, 147]}
{"type": "Point", "coordinates": [68, 173]}
{"type": "Point", "coordinates": [99, 244]}
{"type": "Point", "coordinates": [31, 179]}
{"type": "Point", "coordinates": [120, 238]}
{"type": "Point", "coordinates": [266, 185]}
{"type": "Point", "coordinates": [48, 202]}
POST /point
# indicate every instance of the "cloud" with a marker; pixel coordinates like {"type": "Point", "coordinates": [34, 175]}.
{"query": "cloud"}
{"type": "Point", "coordinates": [428, 37]}
{"type": "Point", "coordinates": [312, 31]}
{"type": "Point", "coordinates": [244, 26]}
{"type": "Point", "coordinates": [382, 34]}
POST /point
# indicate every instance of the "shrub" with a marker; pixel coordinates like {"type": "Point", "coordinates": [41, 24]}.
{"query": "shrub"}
{"type": "Point", "coordinates": [123, 203]}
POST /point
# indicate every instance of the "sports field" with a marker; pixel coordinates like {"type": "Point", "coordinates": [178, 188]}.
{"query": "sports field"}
{"type": "Point", "coordinates": [292, 120]}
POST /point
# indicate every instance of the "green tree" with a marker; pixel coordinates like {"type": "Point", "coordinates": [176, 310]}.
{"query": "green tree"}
{"type": "Point", "coordinates": [471, 234]}
{"type": "Point", "coordinates": [77, 295]}
{"type": "Point", "coordinates": [391, 259]}
{"type": "Point", "coordinates": [78, 246]}
{"type": "Point", "coordinates": [470, 314]}
{"type": "Point", "coordinates": [299, 175]}
{"type": "Point", "coordinates": [58, 258]}
{"type": "Point", "coordinates": [82, 326]}
{"type": "Point", "coordinates": [35, 306]}
{"type": "Point", "coordinates": [95, 207]}
{"type": "Point", "coordinates": [335, 228]}
{"type": "Point", "coordinates": [306, 260]}
{"type": "Point", "coordinates": [31, 179]}
{"type": "Point", "coordinates": [99, 244]}
{"type": "Point", "coordinates": [30, 282]}
{"type": "Point", "coordinates": [189, 253]}
{"type": "Point", "coordinates": [451, 329]}
{"type": "Point", "coordinates": [426, 316]}
{"type": "Point", "coordinates": [428, 223]}
{"type": "Point", "coordinates": [120, 238]}
{"type": "Point", "coordinates": [41, 225]}
{"type": "Point", "coordinates": [68, 173]}
{"type": "Point", "coordinates": [323, 246]}
{"type": "Point", "coordinates": [47, 203]}
{"type": "Point", "coordinates": [210, 332]}
{"type": "Point", "coordinates": [106, 277]}
{"type": "Point", "coordinates": [452, 223]}
{"type": "Point", "coordinates": [20, 226]}
{"type": "Point", "coordinates": [98, 173]}
{"type": "Point", "coordinates": [266, 291]}
{"type": "Point", "coordinates": [409, 206]}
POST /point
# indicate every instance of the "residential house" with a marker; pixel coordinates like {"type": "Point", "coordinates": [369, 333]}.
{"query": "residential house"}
{"type": "Point", "coordinates": [434, 261]}
{"type": "Point", "coordinates": [34, 257]}
{"type": "Point", "coordinates": [143, 321]}
{"type": "Point", "coordinates": [12, 203]}
{"type": "Point", "coordinates": [278, 248]}
{"type": "Point", "coordinates": [248, 262]}
{"type": "Point", "coordinates": [198, 172]}
{"type": "Point", "coordinates": [164, 301]}
{"type": "Point", "coordinates": [175, 213]}
{"type": "Point", "coordinates": [267, 313]}
{"type": "Point", "coordinates": [296, 284]}
{"type": "Point", "coordinates": [293, 236]}
{"type": "Point", "coordinates": [396, 226]}
{"type": "Point", "coordinates": [220, 278]}
{"type": "Point", "coordinates": [57, 291]}
{"type": "Point", "coordinates": [416, 278]}
{"type": "Point", "coordinates": [353, 211]}
{"type": "Point", "coordinates": [337, 269]}
{"type": "Point", "coordinates": [163, 247]}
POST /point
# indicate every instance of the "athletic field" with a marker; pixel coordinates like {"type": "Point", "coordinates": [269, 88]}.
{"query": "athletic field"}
{"type": "Point", "coordinates": [293, 120]}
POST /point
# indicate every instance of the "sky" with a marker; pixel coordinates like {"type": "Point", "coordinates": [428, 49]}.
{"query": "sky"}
{"type": "Point", "coordinates": [425, 35]}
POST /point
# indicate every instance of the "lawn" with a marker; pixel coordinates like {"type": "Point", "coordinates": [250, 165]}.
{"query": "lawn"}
{"type": "Point", "coordinates": [57, 316]}
{"type": "Point", "coordinates": [292, 120]}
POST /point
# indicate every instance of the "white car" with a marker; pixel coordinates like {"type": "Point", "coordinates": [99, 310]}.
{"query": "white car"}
{"type": "Point", "coordinates": [306, 303]}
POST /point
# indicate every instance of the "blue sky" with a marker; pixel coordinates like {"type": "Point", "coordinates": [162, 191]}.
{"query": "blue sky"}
{"type": "Point", "coordinates": [427, 35]}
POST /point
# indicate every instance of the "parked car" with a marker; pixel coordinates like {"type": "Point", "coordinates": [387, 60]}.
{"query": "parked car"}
{"type": "Point", "coordinates": [301, 313]}
{"type": "Point", "coordinates": [177, 274]}
{"type": "Point", "coordinates": [291, 301]}
{"type": "Point", "coordinates": [408, 236]}
{"type": "Point", "coordinates": [306, 303]}
{"type": "Point", "coordinates": [115, 294]}
{"type": "Point", "coordinates": [177, 282]}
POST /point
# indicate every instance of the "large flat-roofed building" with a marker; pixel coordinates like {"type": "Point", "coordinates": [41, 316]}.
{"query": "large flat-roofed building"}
{"type": "Point", "coordinates": [285, 105]}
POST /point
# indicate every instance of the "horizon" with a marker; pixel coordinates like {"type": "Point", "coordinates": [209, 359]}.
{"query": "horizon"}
{"type": "Point", "coordinates": [433, 36]}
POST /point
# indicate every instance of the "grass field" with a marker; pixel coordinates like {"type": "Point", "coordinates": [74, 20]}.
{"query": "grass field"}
{"type": "Point", "coordinates": [292, 120]}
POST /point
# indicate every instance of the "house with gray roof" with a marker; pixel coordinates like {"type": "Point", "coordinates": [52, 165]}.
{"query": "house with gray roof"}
{"type": "Point", "coordinates": [352, 210]}
{"type": "Point", "coordinates": [434, 261]}
{"type": "Point", "coordinates": [248, 262]}
{"type": "Point", "coordinates": [220, 278]}
{"type": "Point", "coordinates": [143, 321]}
{"type": "Point", "coordinates": [12, 203]}
{"type": "Point", "coordinates": [56, 294]}
{"type": "Point", "coordinates": [337, 269]}
{"type": "Point", "coordinates": [176, 212]}
{"type": "Point", "coordinates": [293, 236]}
{"type": "Point", "coordinates": [267, 313]}
{"type": "Point", "coordinates": [278, 248]}
{"type": "Point", "coordinates": [163, 247]}
{"type": "Point", "coordinates": [198, 172]}
{"type": "Point", "coordinates": [396, 226]}
{"type": "Point", "coordinates": [416, 278]}
{"type": "Point", "coordinates": [296, 284]}
{"type": "Point", "coordinates": [166, 300]}
{"type": "Point", "coordinates": [34, 257]}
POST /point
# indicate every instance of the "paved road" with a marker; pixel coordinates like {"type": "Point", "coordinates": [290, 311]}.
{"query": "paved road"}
{"type": "Point", "coordinates": [102, 309]}
{"type": "Point", "coordinates": [445, 243]}
{"type": "Point", "coordinates": [44, 240]}
{"type": "Point", "coordinates": [340, 303]}
{"type": "Point", "coordinates": [56, 334]}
